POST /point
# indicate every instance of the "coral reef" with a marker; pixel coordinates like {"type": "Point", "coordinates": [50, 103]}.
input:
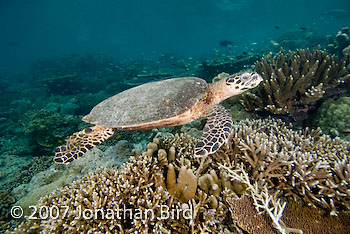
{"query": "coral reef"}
{"type": "Point", "coordinates": [265, 159]}
{"type": "Point", "coordinates": [47, 127]}
{"type": "Point", "coordinates": [295, 82]}
{"type": "Point", "coordinates": [229, 64]}
{"type": "Point", "coordinates": [6, 200]}
{"type": "Point", "coordinates": [72, 74]}
{"type": "Point", "coordinates": [340, 45]}
{"type": "Point", "coordinates": [333, 117]}
{"type": "Point", "coordinates": [312, 220]}
{"type": "Point", "coordinates": [298, 38]}
{"type": "Point", "coordinates": [19, 170]}
{"type": "Point", "coordinates": [246, 216]}
{"type": "Point", "coordinates": [56, 176]}
{"type": "Point", "coordinates": [304, 165]}
{"type": "Point", "coordinates": [138, 193]}
{"type": "Point", "coordinates": [304, 219]}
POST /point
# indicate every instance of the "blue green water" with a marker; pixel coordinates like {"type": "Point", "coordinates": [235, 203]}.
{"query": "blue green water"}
{"type": "Point", "coordinates": [31, 30]}
{"type": "Point", "coordinates": [59, 58]}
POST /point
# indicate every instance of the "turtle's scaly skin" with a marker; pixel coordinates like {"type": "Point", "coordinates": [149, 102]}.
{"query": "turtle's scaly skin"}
{"type": "Point", "coordinates": [215, 133]}
{"type": "Point", "coordinates": [80, 142]}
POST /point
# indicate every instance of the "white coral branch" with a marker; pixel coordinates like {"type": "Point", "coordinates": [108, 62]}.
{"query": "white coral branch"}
{"type": "Point", "coordinates": [263, 201]}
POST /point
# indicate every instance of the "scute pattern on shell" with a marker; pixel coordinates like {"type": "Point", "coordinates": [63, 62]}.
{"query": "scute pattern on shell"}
{"type": "Point", "coordinates": [147, 103]}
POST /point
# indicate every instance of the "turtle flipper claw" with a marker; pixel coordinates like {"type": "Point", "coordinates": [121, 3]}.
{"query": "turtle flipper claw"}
{"type": "Point", "coordinates": [80, 142]}
{"type": "Point", "coordinates": [215, 133]}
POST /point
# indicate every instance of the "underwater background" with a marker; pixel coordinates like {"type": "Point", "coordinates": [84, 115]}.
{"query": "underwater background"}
{"type": "Point", "coordinates": [290, 142]}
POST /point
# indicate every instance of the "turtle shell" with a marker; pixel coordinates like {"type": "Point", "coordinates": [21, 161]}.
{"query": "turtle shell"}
{"type": "Point", "coordinates": [151, 105]}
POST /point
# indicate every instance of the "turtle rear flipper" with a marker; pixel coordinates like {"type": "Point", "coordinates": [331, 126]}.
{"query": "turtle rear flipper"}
{"type": "Point", "coordinates": [80, 142]}
{"type": "Point", "coordinates": [215, 133]}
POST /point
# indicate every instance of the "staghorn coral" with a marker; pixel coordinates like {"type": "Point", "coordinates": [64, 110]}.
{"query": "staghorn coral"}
{"type": "Point", "coordinates": [214, 183]}
{"type": "Point", "coordinates": [295, 82]}
{"type": "Point", "coordinates": [57, 176]}
{"type": "Point", "coordinates": [265, 150]}
{"type": "Point", "coordinates": [140, 187]}
{"type": "Point", "coordinates": [304, 165]}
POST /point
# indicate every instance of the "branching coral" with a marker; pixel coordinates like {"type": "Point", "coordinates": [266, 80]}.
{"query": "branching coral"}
{"type": "Point", "coordinates": [137, 191]}
{"type": "Point", "coordinates": [263, 201]}
{"type": "Point", "coordinates": [272, 159]}
{"type": "Point", "coordinates": [305, 165]}
{"type": "Point", "coordinates": [295, 82]}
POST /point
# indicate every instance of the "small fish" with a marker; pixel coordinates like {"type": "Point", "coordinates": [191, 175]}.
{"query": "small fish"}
{"type": "Point", "coordinates": [277, 27]}
{"type": "Point", "coordinates": [244, 53]}
{"type": "Point", "coordinates": [274, 43]}
{"type": "Point", "coordinates": [303, 29]}
{"type": "Point", "coordinates": [226, 43]}
{"type": "Point", "coordinates": [269, 55]}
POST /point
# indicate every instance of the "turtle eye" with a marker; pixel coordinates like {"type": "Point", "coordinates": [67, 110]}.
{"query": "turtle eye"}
{"type": "Point", "coordinates": [245, 77]}
{"type": "Point", "coordinates": [232, 79]}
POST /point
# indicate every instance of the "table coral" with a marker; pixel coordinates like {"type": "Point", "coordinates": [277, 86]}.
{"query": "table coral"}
{"type": "Point", "coordinates": [295, 82]}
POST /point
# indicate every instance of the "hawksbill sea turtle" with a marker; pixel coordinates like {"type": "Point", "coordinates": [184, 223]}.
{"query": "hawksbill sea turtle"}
{"type": "Point", "coordinates": [165, 103]}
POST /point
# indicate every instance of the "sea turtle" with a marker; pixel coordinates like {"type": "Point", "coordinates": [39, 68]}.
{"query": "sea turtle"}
{"type": "Point", "coordinates": [159, 104]}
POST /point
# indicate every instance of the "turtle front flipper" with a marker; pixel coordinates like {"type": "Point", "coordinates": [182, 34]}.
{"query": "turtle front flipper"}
{"type": "Point", "coordinates": [80, 142]}
{"type": "Point", "coordinates": [215, 133]}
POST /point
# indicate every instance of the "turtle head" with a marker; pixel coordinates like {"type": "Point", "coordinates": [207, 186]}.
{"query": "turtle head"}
{"type": "Point", "coordinates": [241, 82]}
{"type": "Point", "coordinates": [233, 85]}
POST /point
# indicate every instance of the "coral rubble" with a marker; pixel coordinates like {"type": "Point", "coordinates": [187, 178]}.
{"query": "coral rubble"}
{"type": "Point", "coordinates": [295, 82]}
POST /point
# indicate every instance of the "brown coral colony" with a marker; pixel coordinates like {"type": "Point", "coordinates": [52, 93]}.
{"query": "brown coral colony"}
{"type": "Point", "coordinates": [296, 81]}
